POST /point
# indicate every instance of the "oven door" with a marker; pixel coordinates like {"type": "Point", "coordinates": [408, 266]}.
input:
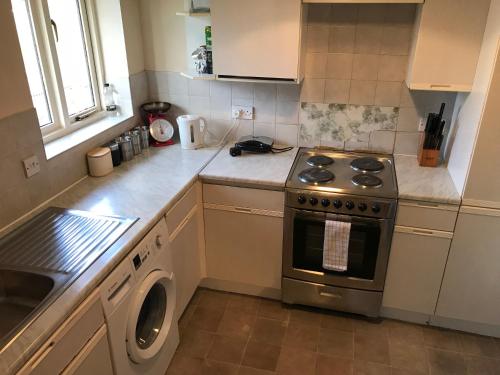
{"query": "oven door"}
{"type": "Point", "coordinates": [368, 251]}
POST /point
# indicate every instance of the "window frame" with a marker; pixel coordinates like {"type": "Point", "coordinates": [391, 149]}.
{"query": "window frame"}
{"type": "Point", "coordinates": [63, 123]}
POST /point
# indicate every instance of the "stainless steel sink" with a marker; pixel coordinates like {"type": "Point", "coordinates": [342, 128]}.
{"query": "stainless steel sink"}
{"type": "Point", "coordinates": [41, 258]}
{"type": "Point", "coordinates": [21, 295]}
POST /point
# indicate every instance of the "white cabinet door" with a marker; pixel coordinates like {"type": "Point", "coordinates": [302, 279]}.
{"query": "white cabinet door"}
{"type": "Point", "coordinates": [416, 266]}
{"type": "Point", "coordinates": [184, 243]}
{"type": "Point", "coordinates": [446, 44]}
{"type": "Point", "coordinates": [243, 247]}
{"type": "Point", "coordinates": [470, 290]}
{"type": "Point", "coordinates": [257, 39]}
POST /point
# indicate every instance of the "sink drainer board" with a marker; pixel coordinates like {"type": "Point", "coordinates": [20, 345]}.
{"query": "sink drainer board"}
{"type": "Point", "coordinates": [41, 258]}
{"type": "Point", "coordinates": [61, 240]}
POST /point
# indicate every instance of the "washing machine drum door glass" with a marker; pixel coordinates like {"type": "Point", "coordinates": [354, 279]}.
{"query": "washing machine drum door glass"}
{"type": "Point", "coordinates": [151, 316]}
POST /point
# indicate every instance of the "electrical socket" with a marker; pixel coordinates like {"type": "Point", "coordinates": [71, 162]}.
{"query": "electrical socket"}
{"type": "Point", "coordinates": [242, 112]}
{"type": "Point", "coordinates": [421, 124]}
{"type": "Point", "coordinates": [31, 166]}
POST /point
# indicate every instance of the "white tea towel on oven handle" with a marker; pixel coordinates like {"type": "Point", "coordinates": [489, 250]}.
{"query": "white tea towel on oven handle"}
{"type": "Point", "coordinates": [336, 245]}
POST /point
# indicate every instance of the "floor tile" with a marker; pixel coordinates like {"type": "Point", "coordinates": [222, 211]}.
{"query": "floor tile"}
{"type": "Point", "coordinates": [409, 357]}
{"type": "Point", "coordinates": [303, 316]}
{"type": "Point", "coordinates": [482, 366]}
{"type": "Point", "coordinates": [227, 349]}
{"type": "Point", "coordinates": [296, 362]}
{"type": "Point", "coordinates": [371, 348]}
{"type": "Point", "coordinates": [236, 324]}
{"type": "Point", "coordinates": [262, 356]}
{"type": "Point", "coordinates": [195, 343]}
{"type": "Point", "coordinates": [442, 339]}
{"type": "Point", "coordinates": [273, 310]}
{"type": "Point", "coordinates": [370, 368]}
{"type": "Point", "coordinates": [336, 343]}
{"type": "Point", "coordinates": [326, 365]}
{"type": "Point", "coordinates": [269, 331]}
{"type": "Point", "coordinates": [218, 368]}
{"type": "Point", "coordinates": [333, 321]}
{"type": "Point", "coordinates": [253, 371]}
{"type": "Point", "coordinates": [366, 326]}
{"type": "Point", "coordinates": [213, 299]}
{"type": "Point", "coordinates": [183, 365]}
{"type": "Point", "coordinates": [243, 304]}
{"type": "Point", "coordinates": [405, 333]}
{"type": "Point", "coordinates": [446, 363]}
{"type": "Point", "coordinates": [206, 319]}
{"type": "Point", "coordinates": [479, 345]}
{"type": "Point", "coordinates": [301, 336]}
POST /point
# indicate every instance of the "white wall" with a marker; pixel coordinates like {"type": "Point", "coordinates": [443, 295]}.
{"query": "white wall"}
{"type": "Point", "coordinates": [470, 106]}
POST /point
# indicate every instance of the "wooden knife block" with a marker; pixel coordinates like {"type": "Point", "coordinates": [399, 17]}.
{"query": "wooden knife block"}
{"type": "Point", "coordinates": [427, 157]}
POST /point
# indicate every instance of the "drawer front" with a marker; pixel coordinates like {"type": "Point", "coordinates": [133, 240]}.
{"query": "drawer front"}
{"type": "Point", "coordinates": [182, 208]}
{"type": "Point", "coordinates": [243, 197]}
{"type": "Point", "coordinates": [427, 215]}
{"type": "Point", "coordinates": [68, 340]}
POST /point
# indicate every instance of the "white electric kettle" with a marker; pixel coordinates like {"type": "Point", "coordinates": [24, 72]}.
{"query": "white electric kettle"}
{"type": "Point", "coordinates": [191, 131]}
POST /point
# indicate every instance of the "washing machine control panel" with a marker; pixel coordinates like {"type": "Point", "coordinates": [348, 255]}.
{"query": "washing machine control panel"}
{"type": "Point", "coordinates": [142, 254]}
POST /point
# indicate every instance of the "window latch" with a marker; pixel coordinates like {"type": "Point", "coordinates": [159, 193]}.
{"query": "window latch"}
{"type": "Point", "coordinates": [54, 28]}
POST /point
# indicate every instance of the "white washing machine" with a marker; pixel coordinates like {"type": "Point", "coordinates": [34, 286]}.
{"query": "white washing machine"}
{"type": "Point", "coordinates": [139, 302]}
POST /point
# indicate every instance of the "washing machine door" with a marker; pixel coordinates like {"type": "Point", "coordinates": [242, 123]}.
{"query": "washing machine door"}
{"type": "Point", "coordinates": [151, 316]}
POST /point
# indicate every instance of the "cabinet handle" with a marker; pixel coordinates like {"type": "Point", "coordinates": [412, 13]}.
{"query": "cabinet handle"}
{"type": "Point", "coordinates": [243, 209]}
{"type": "Point", "coordinates": [435, 85]}
{"type": "Point", "coordinates": [422, 231]}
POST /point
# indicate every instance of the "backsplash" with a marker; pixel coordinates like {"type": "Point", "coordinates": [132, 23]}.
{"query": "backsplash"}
{"type": "Point", "coordinates": [356, 60]}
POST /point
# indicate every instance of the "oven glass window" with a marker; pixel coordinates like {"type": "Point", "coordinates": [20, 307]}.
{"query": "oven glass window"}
{"type": "Point", "coordinates": [364, 241]}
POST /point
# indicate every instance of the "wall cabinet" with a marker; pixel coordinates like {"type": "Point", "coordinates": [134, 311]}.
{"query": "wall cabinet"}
{"type": "Point", "coordinates": [446, 44]}
{"type": "Point", "coordinates": [76, 344]}
{"type": "Point", "coordinates": [183, 223]}
{"type": "Point", "coordinates": [259, 39]}
{"type": "Point", "coordinates": [417, 261]}
{"type": "Point", "coordinates": [243, 237]}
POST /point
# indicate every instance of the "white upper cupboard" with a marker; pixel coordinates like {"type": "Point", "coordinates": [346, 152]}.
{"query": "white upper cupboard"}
{"type": "Point", "coordinates": [258, 39]}
{"type": "Point", "coordinates": [446, 44]}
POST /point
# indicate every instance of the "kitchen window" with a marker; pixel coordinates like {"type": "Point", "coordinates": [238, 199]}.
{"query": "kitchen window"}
{"type": "Point", "coordinates": [58, 44]}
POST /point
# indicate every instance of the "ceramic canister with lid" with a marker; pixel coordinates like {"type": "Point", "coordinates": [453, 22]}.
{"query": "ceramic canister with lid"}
{"type": "Point", "coordinates": [100, 162]}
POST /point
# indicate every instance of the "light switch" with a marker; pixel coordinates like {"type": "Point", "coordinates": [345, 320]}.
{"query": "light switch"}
{"type": "Point", "coordinates": [31, 166]}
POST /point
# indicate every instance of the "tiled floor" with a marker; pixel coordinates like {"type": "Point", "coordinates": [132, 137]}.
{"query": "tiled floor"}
{"type": "Point", "coordinates": [232, 334]}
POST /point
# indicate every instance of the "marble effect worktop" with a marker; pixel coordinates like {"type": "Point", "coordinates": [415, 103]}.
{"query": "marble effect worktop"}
{"type": "Point", "coordinates": [424, 183]}
{"type": "Point", "coordinates": [268, 171]}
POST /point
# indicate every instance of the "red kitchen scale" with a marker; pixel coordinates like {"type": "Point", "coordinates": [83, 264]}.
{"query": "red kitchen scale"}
{"type": "Point", "coordinates": [160, 129]}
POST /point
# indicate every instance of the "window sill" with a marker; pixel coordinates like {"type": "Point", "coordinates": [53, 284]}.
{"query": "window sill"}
{"type": "Point", "coordinates": [69, 141]}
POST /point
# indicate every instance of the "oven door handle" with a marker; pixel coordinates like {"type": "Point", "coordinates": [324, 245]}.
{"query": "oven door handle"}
{"type": "Point", "coordinates": [330, 295]}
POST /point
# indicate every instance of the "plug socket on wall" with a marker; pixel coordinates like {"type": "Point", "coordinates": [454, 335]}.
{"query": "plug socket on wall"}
{"type": "Point", "coordinates": [242, 112]}
{"type": "Point", "coordinates": [31, 166]}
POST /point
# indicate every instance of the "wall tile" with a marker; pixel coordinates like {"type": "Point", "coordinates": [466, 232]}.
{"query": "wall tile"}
{"type": "Point", "coordinates": [372, 13]}
{"type": "Point", "coordinates": [264, 91]}
{"type": "Point", "coordinates": [343, 14]}
{"type": "Point", "coordinates": [365, 67]}
{"type": "Point", "coordinates": [382, 141]}
{"type": "Point", "coordinates": [220, 107]}
{"type": "Point", "coordinates": [198, 87]}
{"type": "Point", "coordinates": [244, 128]}
{"type": "Point", "coordinates": [264, 129]}
{"type": "Point", "coordinates": [339, 66]}
{"type": "Point", "coordinates": [199, 105]}
{"type": "Point", "coordinates": [388, 93]}
{"type": "Point", "coordinates": [265, 110]}
{"type": "Point", "coordinates": [313, 90]}
{"type": "Point", "coordinates": [406, 143]}
{"type": "Point", "coordinates": [220, 89]}
{"type": "Point", "coordinates": [319, 14]}
{"type": "Point", "coordinates": [287, 134]}
{"type": "Point", "coordinates": [288, 92]}
{"type": "Point", "coordinates": [242, 90]}
{"type": "Point", "coordinates": [287, 113]}
{"type": "Point", "coordinates": [400, 14]}
{"type": "Point", "coordinates": [317, 38]}
{"type": "Point", "coordinates": [177, 84]}
{"type": "Point", "coordinates": [395, 40]}
{"type": "Point", "coordinates": [337, 91]}
{"type": "Point", "coordinates": [408, 119]}
{"type": "Point", "coordinates": [362, 92]}
{"type": "Point", "coordinates": [368, 39]}
{"type": "Point", "coordinates": [316, 65]}
{"type": "Point", "coordinates": [392, 68]}
{"type": "Point", "coordinates": [342, 39]}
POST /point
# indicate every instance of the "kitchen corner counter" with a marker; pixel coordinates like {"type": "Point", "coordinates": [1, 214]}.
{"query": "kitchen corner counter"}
{"type": "Point", "coordinates": [146, 187]}
{"type": "Point", "coordinates": [424, 183]}
{"type": "Point", "coordinates": [268, 171]}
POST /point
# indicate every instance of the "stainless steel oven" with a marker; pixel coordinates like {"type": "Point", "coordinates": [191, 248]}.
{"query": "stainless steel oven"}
{"type": "Point", "coordinates": [305, 281]}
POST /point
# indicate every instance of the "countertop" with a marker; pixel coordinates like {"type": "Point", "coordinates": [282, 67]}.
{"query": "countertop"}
{"type": "Point", "coordinates": [268, 171]}
{"type": "Point", "coordinates": [146, 187]}
{"type": "Point", "coordinates": [424, 183]}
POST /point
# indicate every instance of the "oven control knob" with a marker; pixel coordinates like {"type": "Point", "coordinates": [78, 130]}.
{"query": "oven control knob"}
{"type": "Point", "coordinates": [301, 199]}
{"type": "Point", "coordinates": [325, 202]}
{"type": "Point", "coordinates": [362, 206]}
{"type": "Point", "coordinates": [376, 208]}
{"type": "Point", "coordinates": [349, 205]}
{"type": "Point", "coordinates": [337, 203]}
{"type": "Point", "coordinates": [313, 201]}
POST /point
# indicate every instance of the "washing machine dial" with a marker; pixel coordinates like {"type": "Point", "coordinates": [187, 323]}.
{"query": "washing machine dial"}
{"type": "Point", "coordinates": [159, 241]}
